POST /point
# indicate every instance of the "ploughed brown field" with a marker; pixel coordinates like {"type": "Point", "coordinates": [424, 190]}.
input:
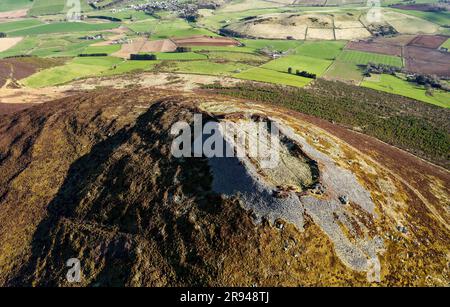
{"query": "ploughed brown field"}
{"type": "Point", "coordinates": [429, 41]}
{"type": "Point", "coordinates": [424, 7]}
{"type": "Point", "coordinates": [375, 48]}
{"type": "Point", "coordinates": [427, 61]}
{"type": "Point", "coordinates": [420, 52]}
{"type": "Point", "coordinates": [202, 40]}
{"type": "Point", "coordinates": [400, 40]}
{"type": "Point", "coordinates": [170, 45]}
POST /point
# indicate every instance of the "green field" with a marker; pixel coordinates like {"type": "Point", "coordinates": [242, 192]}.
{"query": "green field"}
{"type": "Point", "coordinates": [63, 50]}
{"type": "Point", "coordinates": [126, 15]}
{"type": "Point", "coordinates": [237, 57]}
{"type": "Point", "coordinates": [440, 18]}
{"type": "Point", "coordinates": [271, 76]}
{"type": "Point", "coordinates": [206, 67]}
{"type": "Point", "coordinates": [77, 68]}
{"type": "Point", "coordinates": [50, 7]}
{"type": "Point", "coordinates": [64, 27]}
{"type": "Point", "coordinates": [279, 45]}
{"type": "Point", "coordinates": [326, 59]}
{"type": "Point", "coordinates": [390, 2]}
{"type": "Point", "coordinates": [49, 46]}
{"type": "Point", "coordinates": [180, 56]}
{"type": "Point", "coordinates": [395, 85]}
{"type": "Point", "coordinates": [327, 50]}
{"type": "Point", "coordinates": [60, 75]}
{"type": "Point", "coordinates": [358, 57]}
{"type": "Point", "coordinates": [219, 18]}
{"type": "Point", "coordinates": [102, 49]}
{"type": "Point", "coordinates": [107, 61]}
{"type": "Point", "coordinates": [446, 44]}
{"type": "Point", "coordinates": [160, 29]}
{"type": "Point", "coordinates": [18, 25]}
{"type": "Point", "coordinates": [12, 5]}
{"type": "Point", "coordinates": [240, 49]}
{"type": "Point", "coordinates": [344, 72]}
{"type": "Point", "coordinates": [130, 66]}
{"type": "Point", "coordinates": [299, 62]}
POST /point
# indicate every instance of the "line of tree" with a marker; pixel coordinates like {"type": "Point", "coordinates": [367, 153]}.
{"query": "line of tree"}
{"type": "Point", "coordinates": [426, 80]}
{"type": "Point", "coordinates": [183, 49]}
{"type": "Point", "coordinates": [110, 18]}
{"type": "Point", "coordinates": [143, 57]}
{"type": "Point", "coordinates": [374, 68]}
{"type": "Point", "coordinates": [303, 73]}
{"type": "Point", "coordinates": [430, 81]}
{"type": "Point", "coordinates": [92, 54]}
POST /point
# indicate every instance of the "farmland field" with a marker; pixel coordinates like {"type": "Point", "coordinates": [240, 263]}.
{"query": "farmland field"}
{"type": "Point", "coordinates": [327, 50]}
{"type": "Point", "coordinates": [236, 57]}
{"type": "Point", "coordinates": [180, 56]}
{"type": "Point", "coordinates": [280, 45]}
{"type": "Point", "coordinates": [161, 29]}
{"type": "Point", "coordinates": [359, 57]}
{"type": "Point", "coordinates": [63, 27]}
{"type": "Point", "coordinates": [299, 62]}
{"type": "Point", "coordinates": [58, 45]}
{"type": "Point", "coordinates": [426, 60]}
{"type": "Point", "coordinates": [8, 43]}
{"type": "Point", "coordinates": [18, 25]}
{"type": "Point", "coordinates": [408, 24]}
{"type": "Point", "coordinates": [240, 49]}
{"type": "Point", "coordinates": [130, 66]}
{"type": "Point", "coordinates": [11, 5]}
{"type": "Point", "coordinates": [49, 7]}
{"type": "Point", "coordinates": [428, 41]}
{"type": "Point", "coordinates": [23, 47]}
{"type": "Point", "coordinates": [49, 36]}
{"type": "Point", "coordinates": [77, 68]}
{"type": "Point", "coordinates": [344, 72]}
{"type": "Point", "coordinates": [374, 47]}
{"type": "Point", "coordinates": [440, 18]}
{"type": "Point", "coordinates": [446, 44]}
{"type": "Point", "coordinates": [206, 67]}
{"type": "Point", "coordinates": [48, 46]}
{"type": "Point", "coordinates": [127, 15]}
{"type": "Point", "coordinates": [205, 40]}
{"type": "Point", "coordinates": [395, 85]}
{"type": "Point", "coordinates": [271, 76]}
{"type": "Point", "coordinates": [109, 49]}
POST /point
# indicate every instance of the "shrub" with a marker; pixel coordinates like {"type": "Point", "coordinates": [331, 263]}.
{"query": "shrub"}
{"type": "Point", "coordinates": [92, 54]}
{"type": "Point", "coordinates": [143, 57]}
{"type": "Point", "coordinates": [183, 49]}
